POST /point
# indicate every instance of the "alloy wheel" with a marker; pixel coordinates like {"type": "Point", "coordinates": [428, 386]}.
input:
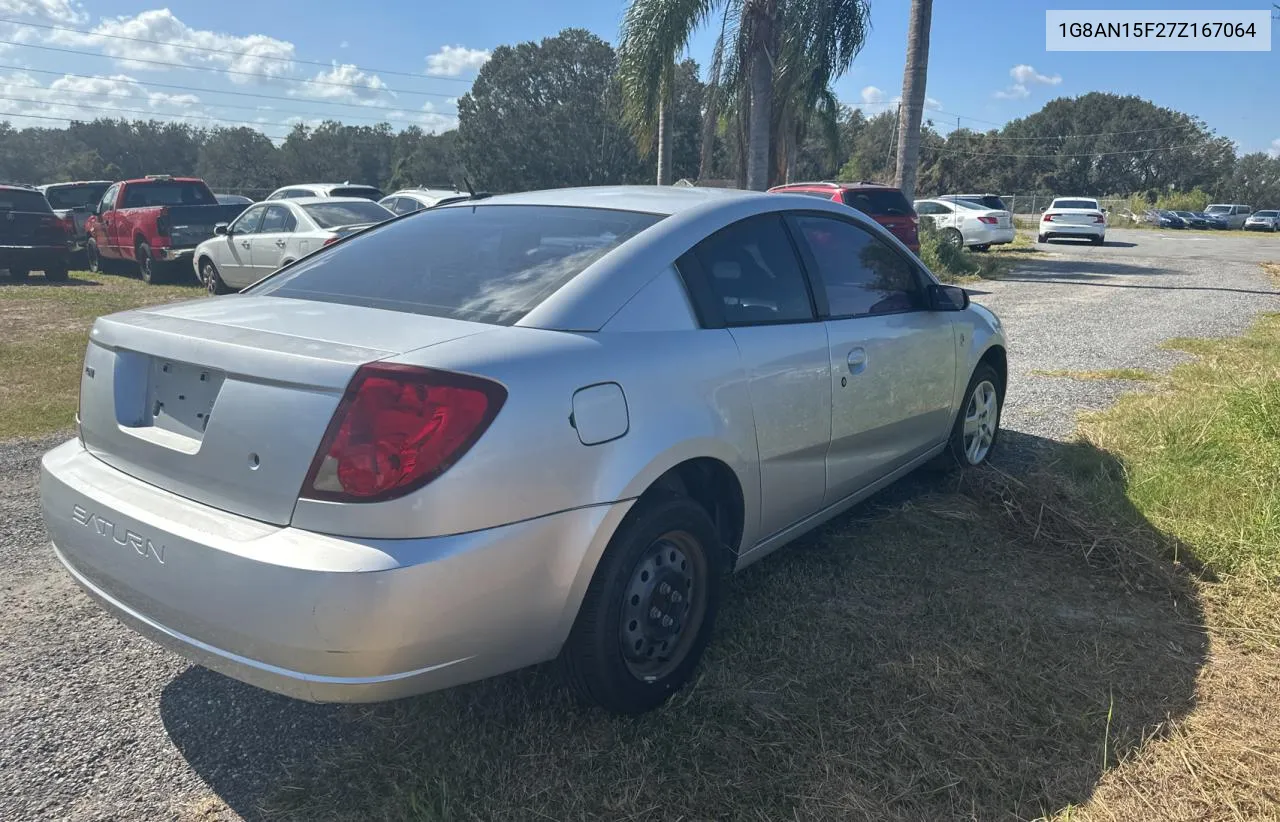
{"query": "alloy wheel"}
{"type": "Point", "coordinates": [981, 416]}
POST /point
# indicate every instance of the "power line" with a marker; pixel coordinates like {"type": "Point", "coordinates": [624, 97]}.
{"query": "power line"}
{"type": "Point", "coordinates": [132, 111]}
{"type": "Point", "coordinates": [207, 90]}
{"type": "Point", "coordinates": [210, 50]}
{"type": "Point", "coordinates": [259, 74]}
{"type": "Point", "coordinates": [259, 109]}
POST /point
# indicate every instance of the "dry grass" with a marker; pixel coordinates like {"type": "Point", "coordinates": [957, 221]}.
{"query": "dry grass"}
{"type": "Point", "coordinates": [1131, 374]}
{"type": "Point", "coordinates": [46, 328]}
{"type": "Point", "coordinates": [1273, 270]}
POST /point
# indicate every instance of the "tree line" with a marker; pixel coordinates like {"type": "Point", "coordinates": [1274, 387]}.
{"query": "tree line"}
{"type": "Point", "coordinates": [555, 113]}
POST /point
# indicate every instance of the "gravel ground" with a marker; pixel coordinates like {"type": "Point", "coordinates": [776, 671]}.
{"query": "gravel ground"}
{"type": "Point", "coordinates": [96, 723]}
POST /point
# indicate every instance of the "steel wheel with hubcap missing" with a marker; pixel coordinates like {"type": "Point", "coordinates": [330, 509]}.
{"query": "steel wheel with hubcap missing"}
{"type": "Point", "coordinates": [978, 424]}
{"type": "Point", "coordinates": [650, 607]}
{"type": "Point", "coordinates": [663, 607]}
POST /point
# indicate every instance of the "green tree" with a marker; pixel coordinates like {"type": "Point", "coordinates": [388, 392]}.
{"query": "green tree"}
{"type": "Point", "coordinates": [544, 115]}
{"type": "Point", "coordinates": [241, 160]}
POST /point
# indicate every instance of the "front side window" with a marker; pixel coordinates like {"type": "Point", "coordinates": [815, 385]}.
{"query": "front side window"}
{"type": "Point", "coordinates": [109, 199]}
{"type": "Point", "coordinates": [247, 223]}
{"type": "Point", "coordinates": [859, 274]}
{"type": "Point", "coordinates": [754, 274]}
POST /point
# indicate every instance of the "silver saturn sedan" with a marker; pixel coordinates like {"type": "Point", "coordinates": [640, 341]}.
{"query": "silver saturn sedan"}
{"type": "Point", "coordinates": [380, 472]}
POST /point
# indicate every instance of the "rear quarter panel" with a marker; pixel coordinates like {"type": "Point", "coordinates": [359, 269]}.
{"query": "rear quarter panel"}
{"type": "Point", "coordinates": [686, 397]}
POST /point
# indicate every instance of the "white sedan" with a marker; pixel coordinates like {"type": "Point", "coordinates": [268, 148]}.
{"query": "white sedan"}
{"type": "Point", "coordinates": [270, 235]}
{"type": "Point", "coordinates": [966, 223]}
{"type": "Point", "coordinates": [1073, 217]}
{"type": "Point", "coordinates": [408, 200]}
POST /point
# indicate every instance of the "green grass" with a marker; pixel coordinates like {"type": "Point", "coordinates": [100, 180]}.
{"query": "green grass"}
{"type": "Point", "coordinates": [1203, 457]}
{"type": "Point", "coordinates": [1132, 374]}
{"type": "Point", "coordinates": [46, 328]}
{"type": "Point", "coordinates": [962, 264]}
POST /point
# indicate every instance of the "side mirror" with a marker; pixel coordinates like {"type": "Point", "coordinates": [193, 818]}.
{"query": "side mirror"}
{"type": "Point", "coordinates": [221, 230]}
{"type": "Point", "coordinates": [948, 298]}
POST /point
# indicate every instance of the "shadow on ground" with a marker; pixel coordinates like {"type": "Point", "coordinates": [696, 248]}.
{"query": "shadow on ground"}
{"type": "Point", "coordinates": [39, 280]}
{"type": "Point", "coordinates": [951, 649]}
{"type": "Point", "coordinates": [1081, 243]}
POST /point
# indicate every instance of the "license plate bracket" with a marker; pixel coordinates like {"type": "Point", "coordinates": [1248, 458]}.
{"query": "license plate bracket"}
{"type": "Point", "coordinates": [182, 396]}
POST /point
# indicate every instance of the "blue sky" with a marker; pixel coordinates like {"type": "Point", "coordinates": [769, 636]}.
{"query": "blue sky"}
{"type": "Point", "coordinates": [369, 61]}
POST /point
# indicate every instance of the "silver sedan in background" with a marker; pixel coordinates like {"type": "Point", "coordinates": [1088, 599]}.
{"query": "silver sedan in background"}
{"type": "Point", "coordinates": [269, 235]}
{"type": "Point", "coordinates": [380, 472]}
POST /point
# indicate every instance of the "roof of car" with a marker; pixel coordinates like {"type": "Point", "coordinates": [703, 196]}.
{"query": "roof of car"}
{"type": "Point", "coordinates": [163, 178]}
{"type": "Point", "coordinates": [648, 199]}
{"type": "Point", "coordinates": [834, 184]}
{"type": "Point", "coordinates": [76, 183]}
{"type": "Point", "coordinates": [303, 201]}
{"type": "Point", "coordinates": [325, 185]}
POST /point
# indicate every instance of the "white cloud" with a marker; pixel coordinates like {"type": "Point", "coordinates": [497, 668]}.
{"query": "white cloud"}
{"type": "Point", "coordinates": [872, 95]}
{"type": "Point", "coordinates": [455, 60]}
{"type": "Point", "coordinates": [1027, 75]}
{"type": "Point", "coordinates": [344, 81]}
{"type": "Point", "coordinates": [89, 98]}
{"type": "Point", "coordinates": [344, 44]}
{"type": "Point", "coordinates": [1024, 76]}
{"type": "Point", "coordinates": [1274, 151]}
{"type": "Point", "coordinates": [178, 43]}
{"type": "Point", "coordinates": [60, 12]}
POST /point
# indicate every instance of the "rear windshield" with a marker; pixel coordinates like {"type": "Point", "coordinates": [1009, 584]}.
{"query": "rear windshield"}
{"type": "Point", "coordinates": [167, 193]}
{"type": "Point", "coordinates": [488, 263]}
{"type": "Point", "coordinates": [19, 200]}
{"type": "Point", "coordinates": [1218, 209]}
{"type": "Point", "coordinates": [1093, 204]}
{"type": "Point", "coordinates": [972, 204]}
{"type": "Point", "coordinates": [887, 202]}
{"type": "Point", "coordinates": [332, 215]}
{"type": "Point", "coordinates": [988, 200]}
{"type": "Point", "coordinates": [75, 196]}
{"type": "Point", "coordinates": [367, 192]}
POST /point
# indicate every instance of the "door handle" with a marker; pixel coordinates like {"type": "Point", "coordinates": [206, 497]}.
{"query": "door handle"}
{"type": "Point", "coordinates": [280, 243]}
{"type": "Point", "coordinates": [857, 360]}
{"type": "Point", "coordinates": [244, 243]}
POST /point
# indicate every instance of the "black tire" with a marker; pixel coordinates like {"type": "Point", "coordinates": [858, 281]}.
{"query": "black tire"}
{"type": "Point", "coordinates": [56, 273]}
{"type": "Point", "coordinates": [982, 247]}
{"type": "Point", "coordinates": [19, 274]}
{"type": "Point", "coordinates": [952, 237]}
{"type": "Point", "coordinates": [153, 273]}
{"type": "Point", "coordinates": [1040, 238]}
{"type": "Point", "coordinates": [92, 258]}
{"type": "Point", "coordinates": [211, 279]}
{"type": "Point", "coordinates": [1097, 240]}
{"type": "Point", "coordinates": [983, 374]}
{"type": "Point", "coordinates": [597, 667]}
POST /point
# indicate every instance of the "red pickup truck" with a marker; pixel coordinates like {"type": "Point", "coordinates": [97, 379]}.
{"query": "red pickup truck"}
{"type": "Point", "coordinates": [154, 223]}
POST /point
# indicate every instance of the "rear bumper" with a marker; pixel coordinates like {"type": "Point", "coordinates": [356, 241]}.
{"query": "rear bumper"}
{"type": "Point", "coordinates": [1070, 230]}
{"type": "Point", "coordinates": [173, 254]}
{"type": "Point", "coordinates": [33, 256]}
{"type": "Point", "coordinates": [990, 236]}
{"type": "Point", "coordinates": [312, 616]}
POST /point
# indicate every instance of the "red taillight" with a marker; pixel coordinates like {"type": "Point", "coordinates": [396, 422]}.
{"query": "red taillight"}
{"type": "Point", "coordinates": [1048, 218]}
{"type": "Point", "coordinates": [330, 241]}
{"type": "Point", "coordinates": [988, 220]}
{"type": "Point", "coordinates": [1098, 218]}
{"type": "Point", "coordinates": [397, 428]}
{"type": "Point", "coordinates": [162, 225]}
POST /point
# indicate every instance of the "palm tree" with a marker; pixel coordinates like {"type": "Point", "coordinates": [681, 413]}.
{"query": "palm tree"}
{"type": "Point", "coordinates": [910, 111]}
{"type": "Point", "coordinates": [749, 47]}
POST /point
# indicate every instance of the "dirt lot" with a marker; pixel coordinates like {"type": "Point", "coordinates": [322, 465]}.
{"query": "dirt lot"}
{"type": "Point", "coordinates": [926, 656]}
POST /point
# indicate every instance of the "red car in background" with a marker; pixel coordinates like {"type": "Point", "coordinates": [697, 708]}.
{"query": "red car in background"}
{"type": "Point", "coordinates": [884, 204]}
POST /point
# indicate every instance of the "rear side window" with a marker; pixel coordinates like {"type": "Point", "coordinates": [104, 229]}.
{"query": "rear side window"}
{"type": "Point", "coordinates": [860, 274]}
{"type": "Point", "coordinates": [491, 264]}
{"type": "Point", "coordinates": [367, 192]}
{"type": "Point", "coordinates": [753, 273]}
{"type": "Point", "coordinates": [878, 202]}
{"type": "Point", "coordinates": [16, 199]}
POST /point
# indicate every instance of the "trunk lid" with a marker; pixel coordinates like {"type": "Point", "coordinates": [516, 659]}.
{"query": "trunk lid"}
{"type": "Point", "coordinates": [225, 401]}
{"type": "Point", "coordinates": [1075, 216]}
